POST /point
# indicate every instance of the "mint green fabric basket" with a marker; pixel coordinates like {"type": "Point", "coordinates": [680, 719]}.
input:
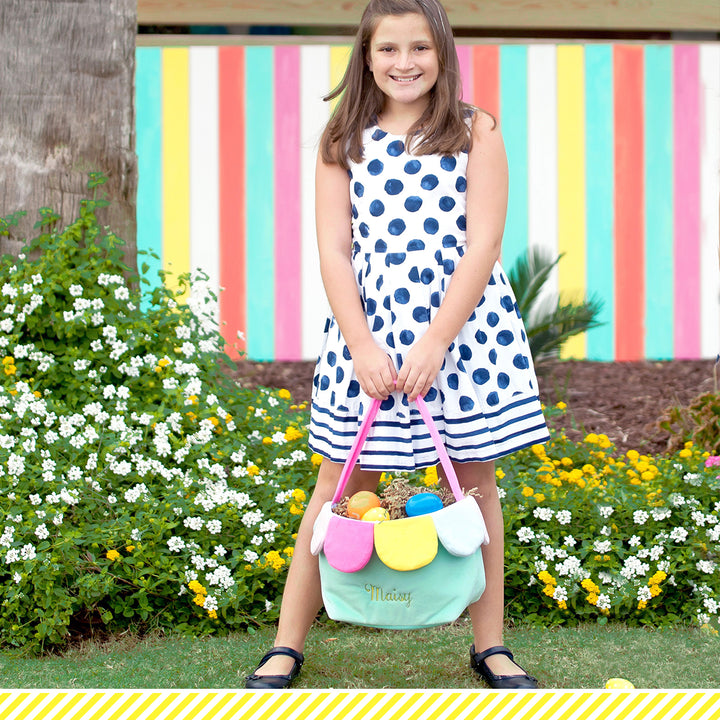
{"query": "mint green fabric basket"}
{"type": "Point", "coordinates": [359, 588]}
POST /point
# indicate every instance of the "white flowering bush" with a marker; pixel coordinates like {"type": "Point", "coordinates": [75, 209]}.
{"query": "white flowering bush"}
{"type": "Point", "coordinates": [139, 484]}
{"type": "Point", "coordinates": [593, 535]}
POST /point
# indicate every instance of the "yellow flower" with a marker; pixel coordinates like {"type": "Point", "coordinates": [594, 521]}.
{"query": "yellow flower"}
{"type": "Point", "coordinates": [592, 439]}
{"type": "Point", "coordinates": [431, 476]}
{"type": "Point", "coordinates": [316, 459]}
{"type": "Point", "coordinates": [112, 555]}
{"type": "Point", "coordinates": [655, 590]}
{"type": "Point", "coordinates": [253, 470]}
{"type": "Point", "coordinates": [214, 421]}
{"type": "Point", "coordinates": [642, 605]}
{"type": "Point", "coordinates": [292, 433]}
{"type": "Point", "coordinates": [528, 491]}
{"type": "Point", "coordinates": [590, 586]}
{"type": "Point", "coordinates": [647, 475]}
{"type": "Point", "coordinates": [284, 394]}
{"type": "Point", "coordinates": [632, 455]}
{"type": "Point", "coordinates": [274, 559]}
{"type": "Point", "coordinates": [299, 495]}
{"type": "Point", "coordinates": [199, 600]}
{"type": "Point", "coordinates": [684, 453]}
{"type": "Point", "coordinates": [197, 588]}
{"type": "Point", "coordinates": [289, 551]}
{"type": "Point", "coordinates": [192, 416]}
{"type": "Point", "coordinates": [545, 577]}
{"type": "Point", "coordinates": [657, 578]}
{"type": "Point", "coordinates": [37, 394]}
{"type": "Point", "coordinates": [539, 450]}
{"type": "Point", "coordinates": [499, 474]}
{"type": "Point", "coordinates": [592, 598]}
{"type": "Point", "coordinates": [212, 614]}
{"type": "Point", "coordinates": [562, 604]}
{"type": "Point", "coordinates": [561, 405]}
{"type": "Point", "coordinates": [267, 441]}
{"type": "Point", "coordinates": [193, 399]}
{"type": "Point", "coordinates": [566, 461]}
{"type": "Point", "coordinates": [539, 497]}
{"type": "Point", "coordinates": [10, 369]}
{"type": "Point", "coordinates": [295, 510]}
{"type": "Point", "coordinates": [8, 360]}
{"type": "Point", "coordinates": [302, 406]}
{"type": "Point", "coordinates": [549, 590]}
{"type": "Point", "coordinates": [129, 548]}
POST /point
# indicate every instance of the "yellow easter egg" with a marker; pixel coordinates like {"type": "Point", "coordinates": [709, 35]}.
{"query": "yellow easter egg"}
{"type": "Point", "coordinates": [376, 513]}
{"type": "Point", "coordinates": [361, 502]}
{"type": "Point", "coordinates": [619, 684]}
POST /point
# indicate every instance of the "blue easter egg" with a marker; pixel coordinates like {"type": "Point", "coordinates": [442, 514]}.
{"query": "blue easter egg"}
{"type": "Point", "coordinates": [422, 504]}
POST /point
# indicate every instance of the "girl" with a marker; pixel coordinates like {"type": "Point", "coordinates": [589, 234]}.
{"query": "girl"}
{"type": "Point", "coordinates": [411, 195]}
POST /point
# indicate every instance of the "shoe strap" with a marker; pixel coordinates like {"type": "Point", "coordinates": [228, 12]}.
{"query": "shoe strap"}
{"type": "Point", "coordinates": [496, 650]}
{"type": "Point", "coordinates": [282, 650]}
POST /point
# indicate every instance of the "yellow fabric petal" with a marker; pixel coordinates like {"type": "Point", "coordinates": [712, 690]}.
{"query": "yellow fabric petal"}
{"type": "Point", "coordinates": [406, 544]}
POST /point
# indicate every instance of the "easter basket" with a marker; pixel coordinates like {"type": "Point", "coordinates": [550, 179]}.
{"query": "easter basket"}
{"type": "Point", "coordinates": [401, 574]}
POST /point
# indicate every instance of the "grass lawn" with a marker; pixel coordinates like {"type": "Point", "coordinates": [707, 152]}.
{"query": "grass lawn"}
{"type": "Point", "coordinates": [340, 656]}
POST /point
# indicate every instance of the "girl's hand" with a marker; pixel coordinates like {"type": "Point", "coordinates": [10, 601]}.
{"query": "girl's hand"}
{"type": "Point", "coordinates": [420, 367]}
{"type": "Point", "coordinates": [375, 370]}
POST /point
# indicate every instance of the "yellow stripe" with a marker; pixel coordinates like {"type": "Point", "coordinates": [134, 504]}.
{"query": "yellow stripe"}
{"type": "Point", "coordinates": [339, 57]}
{"type": "Point", "coordinates": [680, 712]}
{"type": "Point", "coordinates": [312, 706]}
{"type": "Point", "coordinates": [444, 705]}
{"type": "Point", "coordinates": [101, 713]}
{"type": "Point", "coordinates": [131, 700]}
{"type": "Point", "coordinates": [702, 711]}
{"type": "Point", "coordinates": [234, 710]}
{"type": "Point", "coordinates": [27, 710]}
{"type": "Point", "coordinates": [571, 180]}
{"type": "Point", "coordinates": [176, 162]}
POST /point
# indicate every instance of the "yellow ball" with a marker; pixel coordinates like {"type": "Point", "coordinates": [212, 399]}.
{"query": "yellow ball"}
{"type": "Point", "coordinates": [619, 684]}
{"type": "Point", "coordinates": [375, 514]}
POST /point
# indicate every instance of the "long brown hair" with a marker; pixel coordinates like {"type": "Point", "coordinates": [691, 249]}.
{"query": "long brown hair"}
{"type": "Point", "coordinates": [442, 128]}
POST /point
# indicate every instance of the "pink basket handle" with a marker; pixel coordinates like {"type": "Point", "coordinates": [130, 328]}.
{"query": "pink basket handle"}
{"type": "Point", "coordinates": [360, 438]}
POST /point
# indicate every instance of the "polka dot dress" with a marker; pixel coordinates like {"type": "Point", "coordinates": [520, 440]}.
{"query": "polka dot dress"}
{"type": "Point", "coordinates": [408, 227]}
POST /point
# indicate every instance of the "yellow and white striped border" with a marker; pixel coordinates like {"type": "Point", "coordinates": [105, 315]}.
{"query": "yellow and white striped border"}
{"type": "Point", "coordinates": [356, 704]}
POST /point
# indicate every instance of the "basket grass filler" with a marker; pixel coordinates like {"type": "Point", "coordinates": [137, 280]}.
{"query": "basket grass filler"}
{"type": "Point", "coordinates": [408, 573]}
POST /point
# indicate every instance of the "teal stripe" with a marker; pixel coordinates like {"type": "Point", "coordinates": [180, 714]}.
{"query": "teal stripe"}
{"type": "Point", "coordinates": [148, 129]}
{"type": "Point", "coordinates": [513, 112]}
{"type": "Point", "coordinates": [260, 203]}
{"type": "Point", "coordinates": [600, 183]}
{"type": "Point", "coordinates": [659, 271]}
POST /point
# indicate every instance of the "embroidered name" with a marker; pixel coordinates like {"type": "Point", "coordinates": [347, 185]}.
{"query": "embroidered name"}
{"type": "Point", "coordinates": [377, 594]}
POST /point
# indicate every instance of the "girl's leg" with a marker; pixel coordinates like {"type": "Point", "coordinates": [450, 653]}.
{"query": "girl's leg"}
{"type": "Point", "coordinates": [487, 614]}
{"type": "Point", "coordinates": [301, 600]}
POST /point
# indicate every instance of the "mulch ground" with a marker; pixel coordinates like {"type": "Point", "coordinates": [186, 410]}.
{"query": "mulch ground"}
{"type": "Point", "coordinates": [624, 400]}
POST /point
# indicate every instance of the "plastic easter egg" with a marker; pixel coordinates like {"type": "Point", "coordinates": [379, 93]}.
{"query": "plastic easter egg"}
{"type": "Point", "coordinates": [422, 504]}
{"type": "Point", "coordinates": [619, 684]}
{"type": "Point", "coordinates": [361, 502]}
{"type": "Point", "coordinates": [376, 514]}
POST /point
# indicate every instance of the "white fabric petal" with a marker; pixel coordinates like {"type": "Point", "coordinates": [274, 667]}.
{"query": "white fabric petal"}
{"type": "Point", "coordinates": [320, 528]}
{"type": "Point", "coordinates": [461, 527]}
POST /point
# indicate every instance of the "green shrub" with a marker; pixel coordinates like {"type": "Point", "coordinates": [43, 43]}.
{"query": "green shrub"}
{"type": "Point", "coordinates": [141, 486]}
{"type": "Point", "coordinates": [593, 535]}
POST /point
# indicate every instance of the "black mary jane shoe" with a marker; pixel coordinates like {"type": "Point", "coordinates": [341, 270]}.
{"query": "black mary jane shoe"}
{"type": "Point", "coordinates": [500, 682]}
{"type": "Point", "coordinates": [275, 682]}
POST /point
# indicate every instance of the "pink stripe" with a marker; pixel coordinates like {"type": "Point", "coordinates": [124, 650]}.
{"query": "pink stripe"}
{"type": "Point", "coordinates": [686, 120]}
{"type": "Point", "coordinates": [464, 53]}
{"type": "Point", "coordinates": [288, 330]}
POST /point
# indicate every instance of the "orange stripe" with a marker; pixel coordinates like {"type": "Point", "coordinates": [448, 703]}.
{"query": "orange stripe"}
{"type": "Point", "coordinates": [486, 78]}
{"type": "Point", "coordinates": [232, 196]}
{"type": "Point", "coordinates": [629, 203]}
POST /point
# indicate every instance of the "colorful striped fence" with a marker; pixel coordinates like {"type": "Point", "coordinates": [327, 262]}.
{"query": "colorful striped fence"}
{"type": "Point", "coordinates": [614, 153]}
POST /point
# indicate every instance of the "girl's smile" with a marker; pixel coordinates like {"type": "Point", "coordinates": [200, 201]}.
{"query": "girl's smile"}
{"type": "Point", "coordinates": [404, 62]}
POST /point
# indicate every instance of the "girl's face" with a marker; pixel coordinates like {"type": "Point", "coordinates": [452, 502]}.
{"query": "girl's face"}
{"type": "Point", "coordinates": [404, 62]}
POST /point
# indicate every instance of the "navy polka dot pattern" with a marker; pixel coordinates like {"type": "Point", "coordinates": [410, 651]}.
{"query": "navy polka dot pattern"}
{"type": "Point", "coordinates": [408, 224]}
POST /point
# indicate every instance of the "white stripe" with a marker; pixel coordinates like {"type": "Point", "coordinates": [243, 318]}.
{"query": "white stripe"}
{"type": "Point", "coordinates": [205, 171]}
{"type": "Point", "coordinates": [542, 155]}
{"type": "Point", "coordinates": [314, 113]}
{"type": "Point", "coordinates": [709, 193]}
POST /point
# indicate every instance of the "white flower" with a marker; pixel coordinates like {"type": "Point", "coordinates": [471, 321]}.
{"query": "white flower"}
{"type": "Point", "coordinates": [257, 540]}
{"type": "Point", "coordinates": [27, 552]}
{"type": "Point", "coordinates": [220, 550]}
{"type": "Point", "coordinates": [633, 567]}
{"type": "Point", "coordinates": [679, 534]}
{"type": "Point", "coordinates": [268, 606]}
{"type": "Point", "coordinates": [250, 556]}
{"type": "Point", "coordinates": [606, 511]}
{"type": "Point", "coordinates": [176, 544]}
{"type": "Point", "coordinates": [640, 517]}
{"type": "Point", "coordinates": [644, 593]}
{"type": "Point", "coordinates": [122, 293]}
{"type": "Point", "coordinates": [706, 566]}
{"type": "Point", "coordinates": [35, 499]}
{"type": "Point", "coordinates": [543, 513]}
{"type": "Point", "coordinates": [570, 541]}
{"type": "Point", "coordinates": [194, 523]}
{"type": "Point", "coordinates": [570, 567]}
{"type": "Point", "coordinates": [525, 534]}
{"type": "Point", "coordinates": [560, 594]}
{"type": "Point", "coordinates": [75, 290]}
{"type": "Point", "coordinates": [661, 513]}
{"type": "Point", "coordinates": [603, 602]}
{"type": "Point", "coordinates": [605, 530]}
{"type": "Point", "coordinates": [214, 526]}
{"type": "Point", "coordinates": [564, 517]}
{"type": "Point", "coordinates": [42, 532]}
{"type": "Point", "coordinates": [602, 546]}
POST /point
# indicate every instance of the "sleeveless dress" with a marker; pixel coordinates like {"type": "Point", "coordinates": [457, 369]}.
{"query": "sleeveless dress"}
{"type": "Point", "coordinates": [408, 231]}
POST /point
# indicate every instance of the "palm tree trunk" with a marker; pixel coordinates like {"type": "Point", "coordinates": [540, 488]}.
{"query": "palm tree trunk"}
{"type": "Point", "coordinates": [66, 109]}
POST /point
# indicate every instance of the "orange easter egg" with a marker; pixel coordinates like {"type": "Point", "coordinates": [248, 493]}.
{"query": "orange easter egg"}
{"type": "Point", "coordinates": [361, 502]}
{"type": "Point", "coordinates": [374, 514]}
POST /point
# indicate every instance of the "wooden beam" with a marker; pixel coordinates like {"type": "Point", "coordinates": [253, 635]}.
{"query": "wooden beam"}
{"type": "Point", "coordinates": [558, 14]}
